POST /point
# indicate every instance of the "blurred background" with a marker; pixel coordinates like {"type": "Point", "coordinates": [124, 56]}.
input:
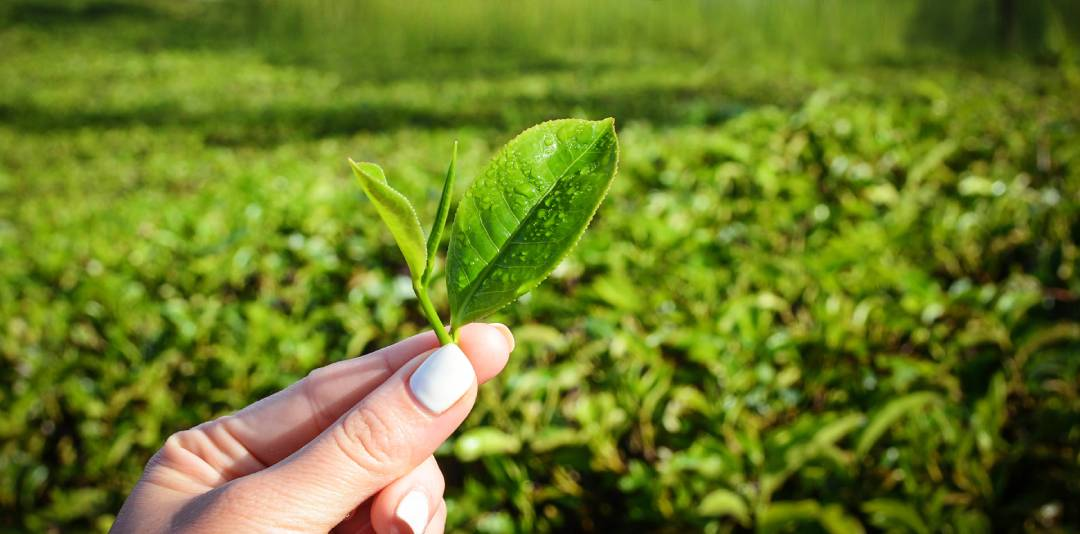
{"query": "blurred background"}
{"type": "Point", "coordinates": [834, 287]}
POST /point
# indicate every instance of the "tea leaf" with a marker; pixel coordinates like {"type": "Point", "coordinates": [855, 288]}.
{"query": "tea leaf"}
{"type": "Point", "coordinates": [891, 513]}
{"type": "Point", "coordinates": [775, 517]}
{"type": "Point", "coordinates": [780, 516]}
{"type": "Point", "coordinates": [397, 212]}
{"type": "Point", "coordinates": [527, 209]}
{"type": "Point", "coordinates": [725, 503]}
{"type": "Point", "coordinates": [891, 413]}
{"type": "Point", "coordinates": [484, 441]}
{"type": "Point", "coordinates": [835, 520]}
{"type": "Point", "coordinates": [440, 219]}
{"type": "Point", "coordinates": [821, 444]}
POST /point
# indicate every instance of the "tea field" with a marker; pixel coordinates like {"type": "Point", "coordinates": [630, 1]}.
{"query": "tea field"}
{"type": "Point", "coordinates": [820, 297]}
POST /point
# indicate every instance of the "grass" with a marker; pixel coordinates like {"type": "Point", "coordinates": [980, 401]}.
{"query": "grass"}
{"type": "Point", "coordinates": [846, 298]}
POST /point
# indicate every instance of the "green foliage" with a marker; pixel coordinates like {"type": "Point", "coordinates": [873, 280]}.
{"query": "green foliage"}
{"type": "Point", "coordinates": [786, 257]}
{"type": "Point", "coordinates": [517, 221]}
{"type": "Point", "coordinates": [479, 442]}
{"type": "Point", "coordinates": [525, 211]}
{"type": "Point", "coordinates": [724, 502]}
{"type": "Point", "coordinates": [909, 405]}
{"type": "Point", "coordinates": [788, 516]}
{"type": "Point", "coordinates": [893, 515]}
{"type": "Point", "coordinates": [402, 38]}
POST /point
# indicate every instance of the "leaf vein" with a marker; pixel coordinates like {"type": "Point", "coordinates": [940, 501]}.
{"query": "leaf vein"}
{"type": "Point", "coordinates": [541, 242]}
{"type": "Point", "coordinates": [505, 266]}
{"type": "Point", "coordinates": [468, 241]}
{"type": "Point", "coordinates": [483, 224]}
{"type": "Point", "coordinates": [502, 195]}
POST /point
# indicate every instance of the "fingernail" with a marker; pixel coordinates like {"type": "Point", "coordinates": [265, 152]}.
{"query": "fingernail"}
{"type": "Point", "coordinates": [413, 511]}
{"type": "Point", "coordinates": [505, 331]}
{"type": "Point", "coordinates": [443, 378]}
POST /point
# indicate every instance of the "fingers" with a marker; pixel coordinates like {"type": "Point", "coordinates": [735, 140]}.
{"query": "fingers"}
{"type": "Point", "coordinates": [271, 429]}
{"type": "Point", "coordinates": [438, 521]}
{"type": "Point", "coordinates": [392, 430]}
{"type": "Point", "coordinates": [408, 504]}
{"type": "Point", "coordinates": [405, 506]}
{"type": "Point", "coordinates": [476, 341]}
{"type": "Point", "coordinates": [357, 522]}
{"type": "Point", "coordinates": [276, 426]}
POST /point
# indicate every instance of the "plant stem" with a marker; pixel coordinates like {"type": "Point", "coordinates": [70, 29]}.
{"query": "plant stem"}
{"type": "Point", "coordinates": [431, 314]}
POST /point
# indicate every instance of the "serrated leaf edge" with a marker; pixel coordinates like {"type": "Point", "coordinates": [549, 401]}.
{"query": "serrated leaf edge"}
{"type": "Point", "coordinates": [577, 238]}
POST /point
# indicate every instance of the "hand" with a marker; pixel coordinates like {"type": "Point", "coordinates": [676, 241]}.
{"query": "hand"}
{"type": "Point", "coordinates": [348, 448]}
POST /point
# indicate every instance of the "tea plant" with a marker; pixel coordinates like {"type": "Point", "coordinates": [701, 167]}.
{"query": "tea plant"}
{"type": "Point", "coordinates": [524, 213]}
{"type": "Point", "coordinates": [817, 300]}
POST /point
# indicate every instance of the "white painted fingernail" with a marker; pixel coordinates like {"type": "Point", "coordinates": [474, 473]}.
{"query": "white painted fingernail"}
{"type": "Point", "coordinates": [413, 511]}
{"type": "Point", "coordinates": [443, 378]}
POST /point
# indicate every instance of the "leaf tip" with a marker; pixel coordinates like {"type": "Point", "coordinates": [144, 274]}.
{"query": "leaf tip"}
{"type": "Point", "coordinates": [367, 170]}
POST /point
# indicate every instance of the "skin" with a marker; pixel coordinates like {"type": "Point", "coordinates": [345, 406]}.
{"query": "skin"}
{"type": "Point", "coordinates": [336, 451]}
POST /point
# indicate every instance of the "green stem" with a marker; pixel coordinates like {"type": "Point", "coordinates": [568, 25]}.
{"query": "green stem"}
{"type": "Point", "coordinates": [431, 314]}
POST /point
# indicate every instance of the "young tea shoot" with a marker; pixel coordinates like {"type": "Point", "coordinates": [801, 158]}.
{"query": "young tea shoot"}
{"type": "Point", "coordinates": [521, 216]}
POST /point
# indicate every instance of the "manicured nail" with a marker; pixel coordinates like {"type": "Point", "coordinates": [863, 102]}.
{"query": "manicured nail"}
{"type": "Point", "coordinates": [505, 331]}
{"type": "Point", "coordinates": [413, 511]}
{"type": "Point", "coordinates": [443, 378]}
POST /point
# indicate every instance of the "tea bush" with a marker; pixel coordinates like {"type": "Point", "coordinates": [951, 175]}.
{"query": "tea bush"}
{"type": "Point", "coordinates": [847, 301]}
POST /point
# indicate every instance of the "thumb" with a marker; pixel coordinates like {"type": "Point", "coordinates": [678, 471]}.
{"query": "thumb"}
{"type": "Point", "coordinates": [382, 438]}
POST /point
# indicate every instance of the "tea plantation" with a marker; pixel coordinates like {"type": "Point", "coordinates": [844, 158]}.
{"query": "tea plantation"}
{"type": "Point", "coordinates": [823, 300]}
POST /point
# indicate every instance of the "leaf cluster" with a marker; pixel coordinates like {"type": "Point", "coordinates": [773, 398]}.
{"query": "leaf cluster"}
{"type": "Point", "coordinates": [529, 206]}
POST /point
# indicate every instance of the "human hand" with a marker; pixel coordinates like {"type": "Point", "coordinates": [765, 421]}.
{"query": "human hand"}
{"type": "Point", "coordinates": [348, 448]}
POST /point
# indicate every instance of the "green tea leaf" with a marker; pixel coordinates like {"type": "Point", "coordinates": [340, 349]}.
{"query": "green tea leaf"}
{"type": "Point", "coordinates": [397, 212]}
{"type": "Point", "coordinates": [891, 514]}
{"type": "Point", "coordinates": [822, 444]}
{"type": "Point", "coordinates": [891, 413]}
{"type": "Point", "coordinates": [782, 516]}
{"type": "Point", "coordinates": [527, 209]}
{"type": "Point", "coordinates": [725, 503]}
{"type": "Point", "coordinates": [440, 219]}
{"type": "Point", "coordinates": [835, 520]}
{"type": "Point", "coordinates": [778, 516]}
{"type": "Point", "coordinates": [485, 441]}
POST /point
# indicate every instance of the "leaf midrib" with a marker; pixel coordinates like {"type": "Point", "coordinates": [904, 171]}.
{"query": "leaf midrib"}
{"type": "Point", "coordinates": [471, 289]}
